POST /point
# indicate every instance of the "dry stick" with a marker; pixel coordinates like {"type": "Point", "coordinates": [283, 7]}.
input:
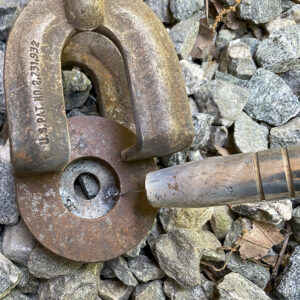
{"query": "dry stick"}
{"type": "Point", "coordinates": [280, 258]}
{"type": "Point", "coordinates": [206, 4]}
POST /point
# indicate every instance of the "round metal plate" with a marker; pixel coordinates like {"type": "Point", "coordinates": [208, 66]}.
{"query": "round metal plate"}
{"type": "Point", "coordinates": [81, 239]}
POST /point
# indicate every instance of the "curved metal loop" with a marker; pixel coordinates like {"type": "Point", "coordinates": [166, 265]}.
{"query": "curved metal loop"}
{"type": "Point", "coordinates": [33, 82]}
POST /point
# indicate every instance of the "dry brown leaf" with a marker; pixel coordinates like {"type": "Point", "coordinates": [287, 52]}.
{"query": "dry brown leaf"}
{"type": "Point", "coordinates": [270, 260]}
{"type": "Point", "coordinates": [257, 242]}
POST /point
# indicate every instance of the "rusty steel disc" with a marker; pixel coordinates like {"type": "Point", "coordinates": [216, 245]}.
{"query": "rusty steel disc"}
{"type": "Point", "coordinates": [95, 239]}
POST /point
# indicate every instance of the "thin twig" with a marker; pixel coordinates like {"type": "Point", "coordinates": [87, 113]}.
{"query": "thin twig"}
{"type": "Point", "coordinates": [283, 249]}
{"type": "Point", "coordinates": [207, 9]}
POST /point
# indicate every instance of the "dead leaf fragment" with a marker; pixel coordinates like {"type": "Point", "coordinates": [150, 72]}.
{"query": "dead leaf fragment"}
{"type": "Point", "coordinates": [257, 242]}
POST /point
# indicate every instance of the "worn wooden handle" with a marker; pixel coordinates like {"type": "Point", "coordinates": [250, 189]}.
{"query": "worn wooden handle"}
{"type": "Point", "coordinates": [252, 177]}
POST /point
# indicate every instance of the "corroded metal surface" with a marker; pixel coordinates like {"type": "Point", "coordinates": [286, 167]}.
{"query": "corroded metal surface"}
{"type": "Point", "coordinates": [33, 81]}
{"type": "Point", "coordinates": [82, 239]}
{"type": "Point", "coordinates": [253, 177]}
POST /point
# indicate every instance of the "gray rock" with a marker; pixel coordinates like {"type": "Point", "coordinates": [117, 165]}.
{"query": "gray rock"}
{"type": "Point", "coordinates": [193, 106]}
{"type": "Point", "coordinates": [249, 136]}
{"type": "Point", "coordinates": [292, 78]}
{"type": "Point", "coordinates": [280, 52]}
{"type": "Point", "coordinates": [175, 159]}
{"type": "Point", "coordinates": [9, 212]}
{"type": "Point", "coordinates": [174, 291]}
{"type": "Point", "coordinates": [154, 235]}
{"type": "Point", "coordinates": [271, 99]}
{"type": "Point", "coordinates": [145, 269]}
{"type": "Point", "coordinates": [184, 34]}
{"type": "Point", "coordinates": [9, 10]}
{"type": "Point", "coordinates": [186, 218]}
{"type": "Point", "coordinates": [287, 4]}
{"type": "Point", "coordinates": [28, 284]}
{"type": "Point", "coordinates": [288, 284]}
{"type": "Point", "coordinates": [253, 43]}
{"type": "Point", "coordinates": [236, 287]}
{"type": "Point", "coordinates": [221, 221]}
{"type": "Point", "coordinates": [219, 138]}
{"type": "Point", "coordinates": [296, 223]}
{"type": "Point", "coordinates": [162, 9]}
{"type": "Point", "coordinates": [89, 185]}
{"type": "Point", "coordinates": [46, 265]}
{"type": "Point", "coordinates": [120, 267]}
{"type": "Point", "coordinates": [240, 62]}
{"type": "Point", "coordinates": [179, 257]}
{"type": "Point", "coordinates": [75, 113]}
{"type": "Point", "coordinates": [135, 252]}
{"type": "Point", "coordinates": [107, 272]}
{"type": "Point", "coordinates": [278, 24]}
{"type": "Point", "coordinates": [256, 273]}
{"type": "Point", "coordinates": [228, 2]}
{"type": "Point", "coordinates": [258, 11]}
{"type": "Point", "coordinates": [222, 99]}
{"type": "Point", "coordinates": [18, 243]}
{"type": "Point", "coordinates": [195, 155]}
{"type": "Point", "coordinates": [10, 276]}
{"type": "Point", "coordinates": [232, 79]}
{"type": "Point", "coordinates": [151, 290]}
{"type": "Point", "coordinates": [16, 294]}
{"type": "Point", "coordinates": [193, 76]}
{"type": "Point", "coordinates": [2, 101]}
{"type": "Point", "coordinates": [203, 127]}
{"type": "Point", "coordinates": [224, 37]}
{"type": "Point", "coordinates": [182, 9]}
{"type": "Point", "coordinates": [292, 14]}
{"type": "Point", "coordinates": [114, 290]}
{"type": "Point", "coordinates": [285, 135]}
{"type": "Point", "coordinates": [80, 285]}
{"type": "Point", "coordinates": [76, 88]}
{"type": "Point", "coordinates": [236, 230]}
{"type": "Point", "coordinates": [272, 212]}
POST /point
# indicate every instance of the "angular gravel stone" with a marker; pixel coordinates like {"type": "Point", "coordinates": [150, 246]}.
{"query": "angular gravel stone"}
{"type": "Point", "coordinates": [193, 76]}
{"type": "Point", "coordinates": [9, 212]}
{"type": "Point", "coordinates": [162, 9]}
{"type": "Point", "coordinates": [179, 257]}
{"type": "Point", "coordinates": [224, 37]}
{"type": "Point", "coordinates": [258, 11]}
{"type": "Point", "coordinates": [184, 34]}
{"type": "Point", "coordinates": [114, 290]}
{"type": "Point", "coordinates": [256, 273]}
{"type": "Point", "coordinates": [292, 79]}
{"type": "Point", "coordinates": [76, 88]}
{"type": "Point", "coordinates": [9, 10]}
{"type": "Point", "coordinates": [229, 78]}
{"type": "Point", "coordinates": [249, 136]}
{"type": "Point", "coordinates": [280, 52]}
{"type": "Point", "coordinates": [135, 252]}
{"type": "Point", "coordinates": [193, 106]}
{"type": "Point", "coordinates": [28, 284]}
{"type": "Point", "coordinates": [145, 269]}
{"type": "Point", "coordinates": [221, 221]}
{"type": "Point", "coordinates": [10, 276]}
{"type": "Point", "coordinates": [174, 291]}
{"type": "Point", "coordinates": [223, 100]}
{"type": "Point", "coordinates": [203, 128]}
{"type": "Point", "coordinates": [288, 284]}
{"type": "Point", "coordinates": [80, 285]}
{"type": "Point", "coordinates": [120, 267]}
{"type": "Point", "coordinates": [151, 290]}
{"type": "Point", "coordinates": [252, 43]}
{"type": "Point", "coordinates": [18, 243]}
{"type": "Point", "coordinates": [46, 265]}
{"type": "Point", "coordinates": [278, 24]}
{"type": "Point", "coordinates": [296, 223]}
{"type": "Point", "coordinates": [15, 294]}
{"type": "Point", "coordinates": [187, 218]}
{"type": "Point", "coordinates": [182, 9]}
{"type": "Point", "coordinates": [292, 14]}
{"type": "Point", "coordinates": [237, 229]}
{"type": "Point", "coordinates": [287, 4]}
{"type": "Point", "coordinates": [272, 212]}
{"type": "Point", "coordinates": [271, 99]}
{"type": "Point", "coordinates": [285, 135]}
{"type": "Point", "coordinates": [2, 101]}
{"type": "Point", "coordinates": [154, 235]}
{"type": "Point", "coordinates": [175, 159]}
{"type": "Point", "coordinates": [240, 62]}
{"type": "Point", "coordinates": [236, 287]}
{"type": "Point", "coordinates": [195, 155]}
{"type": "Point", "coordinates": [228, 2]}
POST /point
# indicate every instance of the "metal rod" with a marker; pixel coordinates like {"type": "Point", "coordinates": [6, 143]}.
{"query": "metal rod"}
{"type": "Point", "coordinates": [251, 177]}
